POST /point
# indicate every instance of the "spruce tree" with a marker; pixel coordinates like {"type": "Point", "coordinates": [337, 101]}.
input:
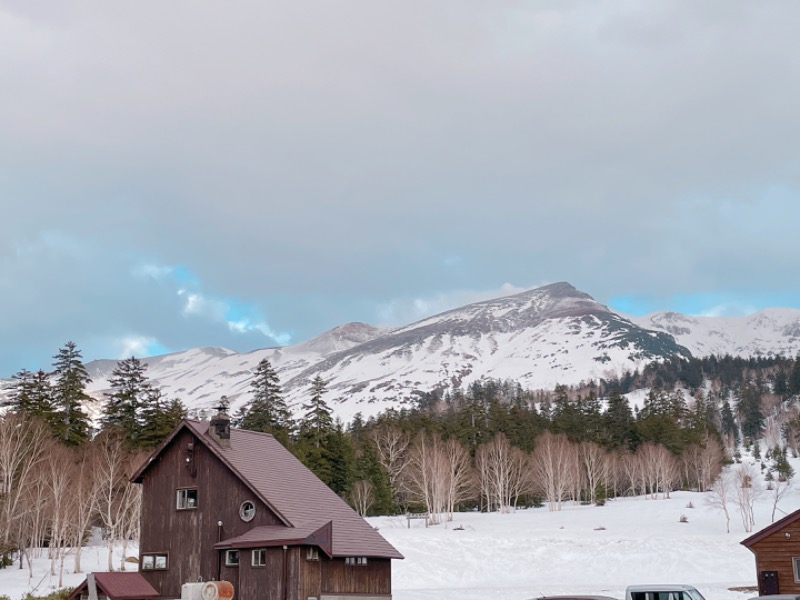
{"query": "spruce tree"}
{"type": "Point", "coordinates": [69, 394]}
{"type": "Point", "coordinates": [32, 395]}
{"type": "Point", "coordinates": [315, 433]}
{"type": "Point", "coordinates": [130, 389]}
{"type": "Point", "coordinates": [267, 411]}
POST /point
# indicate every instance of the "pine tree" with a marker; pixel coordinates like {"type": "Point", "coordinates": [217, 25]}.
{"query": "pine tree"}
{"type": "Point", "coordinates": [69, 393]}
{"type": "Point", "coordinates": [130, 390]}
{"type": "Point", "coordinates": [267, 411]}
{"type": "Point", "coordinates": [158, 418]}
{"type": "Point", "coordinates": [618, 422]}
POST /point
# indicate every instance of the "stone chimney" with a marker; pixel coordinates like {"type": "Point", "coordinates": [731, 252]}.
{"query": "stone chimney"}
{"type": "Point", "coordinates": [220, 427]}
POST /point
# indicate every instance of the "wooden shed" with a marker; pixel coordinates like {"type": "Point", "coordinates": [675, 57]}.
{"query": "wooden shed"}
{"type": "Point", "coordinates": [777, 552]}
{"type": "Point", "coordinates": [114, 586]}
{"type": "Point", "coordinates": [220, 503]}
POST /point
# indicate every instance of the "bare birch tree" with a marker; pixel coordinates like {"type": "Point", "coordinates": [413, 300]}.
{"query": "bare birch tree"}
{"type": "Point", "coordinates": [21, 452]}
{"type": "Point", "coordinates": [719, 495]}
{"type": "Point", "coordinates": [747, 489]}
{"type": "Point", "coordinates": [362, 496]}
{"type": "Point", "coordinates": [594, 464]}
{"type": "Point", "coordinates": [502, 474]}
{"type": "Point", "coordinates": [393, 452]}
{"type": "Point", "coordinates": [550, 467]}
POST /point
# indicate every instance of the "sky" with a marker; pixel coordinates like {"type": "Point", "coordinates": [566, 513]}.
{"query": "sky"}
{"type": "Point", "coordinates": [198, 173]}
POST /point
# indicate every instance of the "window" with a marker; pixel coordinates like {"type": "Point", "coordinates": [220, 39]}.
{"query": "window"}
{"type": "Point", "coordinates": [258, 557]}
{"type": "Point", "coordinates": [231, 558]}
{"type": "Point", "coordinates": [312, 553]}
{"type": "Point", "coordinates": [356, 560]}
{"type": "Point", "coordinates": [154, 562]}
{"type": "Point", "coordinates": [247, 510]}
{"type": "Point", "coordinates": [796, 568]}
{"type": "Point", "coordinates": [187, 498]}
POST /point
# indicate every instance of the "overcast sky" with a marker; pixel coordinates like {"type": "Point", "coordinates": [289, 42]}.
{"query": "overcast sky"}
{"type": "Point", "coordinates": [247, 174]}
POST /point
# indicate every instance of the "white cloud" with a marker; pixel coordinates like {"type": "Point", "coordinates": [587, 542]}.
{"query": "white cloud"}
{"type": "Point", "coordinates": [402, 311]}
{"type": "Point", "coordinates": [135, 345]}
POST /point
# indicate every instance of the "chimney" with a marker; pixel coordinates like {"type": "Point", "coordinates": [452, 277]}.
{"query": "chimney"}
{"type": "Point", "coordinates": [220, 427]}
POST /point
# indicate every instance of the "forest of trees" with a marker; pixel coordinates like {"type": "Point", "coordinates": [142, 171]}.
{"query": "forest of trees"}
{"type": "Point", "coordinates": [493, 446]}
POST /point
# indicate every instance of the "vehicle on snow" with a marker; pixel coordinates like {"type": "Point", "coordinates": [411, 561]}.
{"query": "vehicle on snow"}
{"type": "Point", "coordinates": [662, 592]}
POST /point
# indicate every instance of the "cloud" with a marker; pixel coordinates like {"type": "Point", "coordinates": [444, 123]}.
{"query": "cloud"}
{"type": "Point", "coordinates": [402, 311]}
{"type": "Point", "coordinates": [312, 162]}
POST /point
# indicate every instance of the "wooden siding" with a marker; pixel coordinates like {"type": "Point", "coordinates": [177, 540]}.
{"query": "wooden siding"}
{"type": "Point", "coordinates": [374, 578]}
{"type": "Point", "coordinates": [775, 553]}
{"type": "Point", "coordinates": [188, 536]}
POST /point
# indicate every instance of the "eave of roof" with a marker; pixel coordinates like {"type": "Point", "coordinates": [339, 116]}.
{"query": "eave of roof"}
{"type": "Point", "coordinates": [770, 529]}
{"type": "Point", "coordinates": [270, 536]}
{"type": "Point", "coordinates": [120, 586]}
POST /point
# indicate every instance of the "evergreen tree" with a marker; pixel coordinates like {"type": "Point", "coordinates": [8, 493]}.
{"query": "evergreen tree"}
{"type": "Point", "coordinates": [315, 433]}
{"type": "Point", "coordinates": [69, 394]}
{"type": "Point", "coordinates": [267, 411]}
{"type": "Point", "coordinates": [618, 422]}
{"type": "Point", "coordinates": [31, 394]}
{"type": "Point", "coordinates": [158, 418]}
{"type": "Point", "coordinates": [341, 458]}
{"type": "Point", "coordinates": [130, 391]}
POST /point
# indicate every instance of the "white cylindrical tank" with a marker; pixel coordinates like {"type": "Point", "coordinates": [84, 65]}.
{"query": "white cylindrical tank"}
{"type": "Point", "coordinates": [192, 591]}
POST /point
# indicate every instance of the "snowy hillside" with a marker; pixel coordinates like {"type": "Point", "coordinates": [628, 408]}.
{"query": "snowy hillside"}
{"type": "Point", "coordinates": [769, 332]}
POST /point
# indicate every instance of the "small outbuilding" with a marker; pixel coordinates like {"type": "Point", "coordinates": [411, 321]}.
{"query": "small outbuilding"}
{"type": "Point", "coordinates": [777, 551]}
{"type": "Point", "coordinates": [114, 586]}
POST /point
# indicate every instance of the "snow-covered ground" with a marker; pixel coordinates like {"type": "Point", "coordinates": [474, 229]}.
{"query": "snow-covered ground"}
{"type": "Point", "coordinates": [581, 549]}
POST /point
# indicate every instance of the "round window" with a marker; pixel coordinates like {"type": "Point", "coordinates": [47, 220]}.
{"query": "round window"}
{"type": "Point", "coordinates": [247, 510]}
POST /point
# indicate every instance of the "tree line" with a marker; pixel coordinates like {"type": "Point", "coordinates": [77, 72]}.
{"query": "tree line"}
{"type": "Point", "coordinates": [492, 446]}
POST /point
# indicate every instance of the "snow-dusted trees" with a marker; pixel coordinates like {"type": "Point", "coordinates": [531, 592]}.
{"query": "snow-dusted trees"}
{"type": "Point", "coordinates": [550, 467]}
{"type": "Point", "coordinates": [502, 474]}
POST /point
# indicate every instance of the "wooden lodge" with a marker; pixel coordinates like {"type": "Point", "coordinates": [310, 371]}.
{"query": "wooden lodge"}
{"type": "Point", "coordinates": [226, 504]}
{"type": "Point", "coordinates": [777, 552]}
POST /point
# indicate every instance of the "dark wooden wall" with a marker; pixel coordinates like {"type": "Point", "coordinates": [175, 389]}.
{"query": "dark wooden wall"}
{"type": "Point", "coordinates": [775, 553]}
{"type": "Point", "coordinates": [188, 536]}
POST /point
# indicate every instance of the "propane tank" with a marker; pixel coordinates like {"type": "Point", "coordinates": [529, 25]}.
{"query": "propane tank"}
{"type": "Point", "coordinates": [217, 590]}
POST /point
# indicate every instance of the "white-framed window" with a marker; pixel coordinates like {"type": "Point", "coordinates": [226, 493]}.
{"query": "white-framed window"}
{"type": "Point", "coordinates": [247, 511]}
{"type": "Point", "coordinates": [155, 562]}
{"type": "Point", "coordinates": [796, 568]}
{"type": "Point", "coordinates": [312, 553]}
{"type": "Point", "coordinates": [258, 557]}
{"type": "Point", "coordinates": [186, 499]}
{"type": "Point", "coordinates": [231, 558]}
{"type": "Point", "coordinates": [356, 560]}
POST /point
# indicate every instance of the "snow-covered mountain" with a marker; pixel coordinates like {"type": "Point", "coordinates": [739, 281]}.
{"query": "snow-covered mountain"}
{"type": "Point", "coordinates": [769, 332]}
{"type": "Point", "coordinates": [553, 334]}
{"type": "Point", "coordinates": [542, 337]}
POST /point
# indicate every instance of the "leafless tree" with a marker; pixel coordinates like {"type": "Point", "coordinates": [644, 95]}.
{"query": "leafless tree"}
{"type": "Point", "coordinates": [393, 452]}
{"type": "Point", "coordinates": [362, 496]}
{"type": "Point", "coordinates": [117, 498]}
{"type": "Point", "coordinates": [550, 466]}
{"type": "Point", "coordinates": [59, 474]}
{"type": "Point", "coordinates": [747, 490]}
{"type": "Point", "coordinates": [502, 473]}
{"type": "Point", "coordinates": [21, 452]}
{"type": "Point", "coordinates": [594, 464]}
{"type": "Point", "coordinates": [84, 500]}
{"type": "Point", "coordinates": [458, 475]}
{"type": "Point", "coordinates": [702, 463]}
{"type": "Point", "coordinates": [719, 494]}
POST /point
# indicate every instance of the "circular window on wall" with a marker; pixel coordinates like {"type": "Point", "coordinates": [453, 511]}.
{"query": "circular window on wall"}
{"type": "Point", "coordinates": [247, 510]}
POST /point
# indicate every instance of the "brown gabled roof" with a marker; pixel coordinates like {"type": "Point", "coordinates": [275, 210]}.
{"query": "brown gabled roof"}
{"type": "Point", "coordinates": [770, 529]}
{"type": "Point", "coordinates": [120, 586]}
{"type": "Point", "coordinates": [290, 489]}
